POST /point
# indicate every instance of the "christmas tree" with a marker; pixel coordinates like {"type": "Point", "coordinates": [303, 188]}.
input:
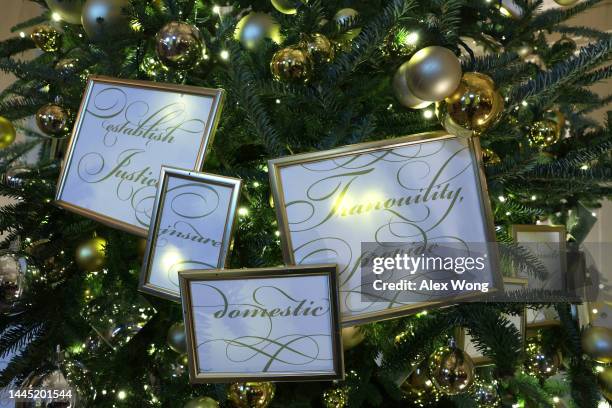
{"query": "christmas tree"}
{"type": "Point", "coordinates": [302, 77]}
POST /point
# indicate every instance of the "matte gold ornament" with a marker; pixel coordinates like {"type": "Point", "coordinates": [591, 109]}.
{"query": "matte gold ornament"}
{"type": "Point", "coordinates": [433, 73]}
{"type": "Point", "coordinates": [604, 379]}
{"type": "Point", "coordinates": [68, 10]}
{"type": "Point", "coordinates": [544, 133]}
{"type": "Point", "coordinates": [540, 362]}
{"type": "Point", "coordinates": [403, 93]}
{"type": "Point", "coordinates": [451, 369]}
{"type": "Point", "coordinates": [473, 108]}
{"type": "Point", "coordinates": [352, 336]}
{"type": "Point", "coordinates": [343, 16]}
{"type": "Point", "coordinates": [176, 338]}
{"type": "Point", "coordinates": [11, 282]}
{"type": "Point", "coordinates": [485, 394]}
{"type": "Point", "coordinates": [179, 45]}
{"type": "Point", "coordinates": [7, 133]}
{"type": "Point", "coordinates": [46, 38]}
{"type": "Point", "coordinates": [319, 48]}
{"type": "Point", "coordinates": [253, 28]}
{"type": "Point", "coordinates": [286, 6]}
{"type": "Point", "coordinates": [597, 343]}
{"type": "Point", "coordinates": [419, 389]}
{"type": "Point", "coordinates": [202, 402]}
{"type": "Point", "coordinates": [91, 254]}
{"type": "Point", "coordinates": [291, 64]}
{"type": "Point", "coordinates": [53, 120]}
{"type": "Point", "coordinates": [566, 3]}
{"type": "Point", "coordinates": [251, 394]}
{"type": "Point", "coordinates": [336, 398]}
{"type": "Point", "coordinates": [104, 20]}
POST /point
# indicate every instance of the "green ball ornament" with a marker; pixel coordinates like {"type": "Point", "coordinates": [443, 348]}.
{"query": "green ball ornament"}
{"type": "Point", "coordinates": [433, 73]}
{"type": "Point", "coordinates": [202, 402]}
{"type": "Point", "coordinates": [451, 369]}
{"type": "Point", "coordinates": [485, 394]}
{"type": "Point", "coordinates": [291, 64]}
{"type": "Point", "coordinates": [343, 16]}
{"type": "Point", "coordinates": [7, 133]}
{"type": "Point", "coordinates": [251, 394]}
{"type": "Point", "coordinates": [179, 45]}
{"type": "Point", "coordinates": [104, 20]}
{"type": "Point", "coordinates": [46, 38]}
{"type": "Point", "coordinates": [597, 343]}
{"type": "Point", "coordinates": [68, 10]}
{"type": "Point", "coordinates": [177, 339]}
{"type": "Point", "coordinates": [253, 28]}
{"type": "Point", "coordinates": [403, 93]}
{"type": "Point", "coordinates": [286, 6]}
{"type": "Point", "coordinates": [91, 254]}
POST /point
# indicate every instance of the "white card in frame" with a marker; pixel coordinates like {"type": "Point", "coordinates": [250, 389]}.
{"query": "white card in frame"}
{"type": "Point", "coordinates": [431, 186]}
{"type": "Point", "coordinates": [192, 225]}
{"type": "Point", "coordinates": [124, 132]}
{"type": "Point", "coordinates": [266, 324]}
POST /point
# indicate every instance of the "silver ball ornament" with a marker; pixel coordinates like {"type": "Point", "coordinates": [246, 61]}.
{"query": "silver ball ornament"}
{"type": "Point", "coordinates": [177, 339]}
{"type": "Point", "coordinates": [68, 10]}
{"type": "Point", "coordinates": [433, 73]}
{"type": "Point", "coordinates": [403, 93]}
{"type": "Point", "coordinates": [53, 380]}
{"type": "Point", "coordinates": [179, 45]}
{"type": "Point", "coordinates": [253, 28]}
{"type": "Point", "coordinates": [105, 19]}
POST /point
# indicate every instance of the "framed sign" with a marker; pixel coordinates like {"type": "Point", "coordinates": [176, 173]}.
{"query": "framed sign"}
{"type": "Point", "coordinates": [464, 339]}
{"type": "Point", "coordinates": [269, 324]}
{"type": "Point", "coordinates": [548, 244]}
{"type": "Point", "coordinates": [124, 132]}
{"type": "Point", "coordinates": [191, 228]}
{"type": "Point", "coordinates": [421, 189]}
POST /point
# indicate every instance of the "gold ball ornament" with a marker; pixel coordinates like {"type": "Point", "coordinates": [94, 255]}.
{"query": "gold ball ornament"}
{"type": "Point", "coordinates": [253, 28]}
{"type": "Point", "coordinates": [540, 362]}
{"type": "Point", "coordinates": [291, 64]}
{"type": "Point", "coordinates": [286, 6]}
{"type": "Point", "coordinates": [179, 45]}
{"type": "Point", "coordinates": [7, 133]}
{"type": "Point", "coordinates": [11, 282]}
{"type": "Point", "coordinates": [91, 254]}
{"type": "Point", "coordinates": [344, 16]}
{"type": "Point", "coordinates": [451, 370]}
{"type": "Point", "coordinates": [433, 73]}
{"type": "Point", "coordinates": [544, 133]}
{"type": "Point", "coordinates": [604, 378]}
{"type": "Point", "coordinates": [352, 336]}
{"type": "Point", "coordinates": [319, 48]}
{"type": "Point", "coordinates": [403, 93]}
{"type": "Point", "coordinates": [104, 20]}
{"type": "Point", "coordinates": [251, 394]}
{"type": "Point", "coordinates": [473, 108]}
{"type": "Point", "coordinates": [419, 389]}
{"type": "Point", "coordinates": [53, 120]}
{"type": "Point", "coordinates": [176, 338]}
{"type": "Point", "coordinates": [566, 3]}
{"type": "Point", "coordinates": [202, 402]}
{"type": "Point", "coordinates": [336, 398]}
{"type": "Point", "coordinates": [485, 394]}
{"type": "Point", "coordinates": [46, 38]}
{"type": "Point", "coordinates": [597, 343]}
{"type": "Point", "coordinates": [68, 10]}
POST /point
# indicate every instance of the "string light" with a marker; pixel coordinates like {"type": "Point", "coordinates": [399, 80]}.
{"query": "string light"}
{"type": "Point", "coordinates": [216, 9]}
{"type": "Point", "coordinates": [428, 114]}
{"type": "Point", "coordinates": [533, 198]}
{"type": "Point", "coordinates": [243, 211]}
{"type": "Point", "coordinates": [584, 167]}
{"type": "Point", "coordinates": [121, 395]}
{"type": "Point", "coordinates": [224, 55]}
{"type": "Point", "coordinates": [412, 38]}
{"type": "Point", "coordinates": [56, 17]}
{"type": "Point", "coordinates": [502, 199]}
{"type": "Point", "coordinates": [22, 34]}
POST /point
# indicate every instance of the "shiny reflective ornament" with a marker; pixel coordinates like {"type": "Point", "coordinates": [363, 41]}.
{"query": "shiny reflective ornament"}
{"type": "Point", "coordinates": [485, 394]}
{"type": "Point", "coordinates": [352, 336]}
{"type": "Point", "coordinates": [251, 394]}
{"type": "Point", "coordinates": [403, 93]}
{"type": "Point", "coordinates": [291, 64]}
{"type": "Point", "coordinates": [566, 3]}
{"type": "Point", "coordinates": [286, 6]}
{"type": "Point", "coordinates": [433, 73]}
{"type": "Point", "coordinates": [344, 16]}
{"type": "Point", "coordinates": [11, 282]}
{"type": "Point", "coordinates": [604, 378]}
{"type": "Point", "coordinates": [7, 133]}
{"type": "Point", "coordinates": [253, 28]}
{"type": "Point", "coordinates": [544, 133]}
{"type": "Point", "coordinates": [473, 108]}
{"type": "Point", "coordinates": [46, 38]}
{"type": "Point", "coordinates": [336, 398]}
{"type": "Point", "coordinates": [91, 254]}
{"type": "Point", "coordinates": [540, 362]}
{"type": "Point", "coordinates": [69, 10]}
{"type": "Point", "coordinates": [176, 338]}
{"type": "Point", "coordinates": [319, 48]}
{"type": "Point", "coordinates": [451, 369]}
{"type": "Point", "coordinates": [66, 396]}
{"type": "Point", "coordinates": [489, 156]}
{"type": "Point", "coordinates": [597, 343]}
{"type": "Point", "coordinates": [179, 45]}
{"type": "Point", "coordinates": [202, 402]}
{"type": "Point", "coordinates": [179, 367]}
{"type": "Point", "coordinates": [67, 67]}
{"type": "Point", "coordinates": [419, 389]}
{"type": "Point", "coordinates": [104, 20]}
{"type": "Point", "coordinates": [53, 120]}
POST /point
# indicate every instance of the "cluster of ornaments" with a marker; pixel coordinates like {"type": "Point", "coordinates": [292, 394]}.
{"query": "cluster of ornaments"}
{"type": "Point", "coordinates": [296, 63]}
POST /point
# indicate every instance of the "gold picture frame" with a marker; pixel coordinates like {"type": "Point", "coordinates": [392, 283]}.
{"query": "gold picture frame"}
{"type": "Point", "coordinates": [462, 336]}
{"type": "Point", "coordinates": [205, 141]}
{"type": "Point", "coordinates": [276, 165]}
{"type": "Point", "coordinates": [210, 182]}
{"type": "Point", "coordinates": [261, 276]}
{"type": "Point", "coordinates": [559, 230]}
